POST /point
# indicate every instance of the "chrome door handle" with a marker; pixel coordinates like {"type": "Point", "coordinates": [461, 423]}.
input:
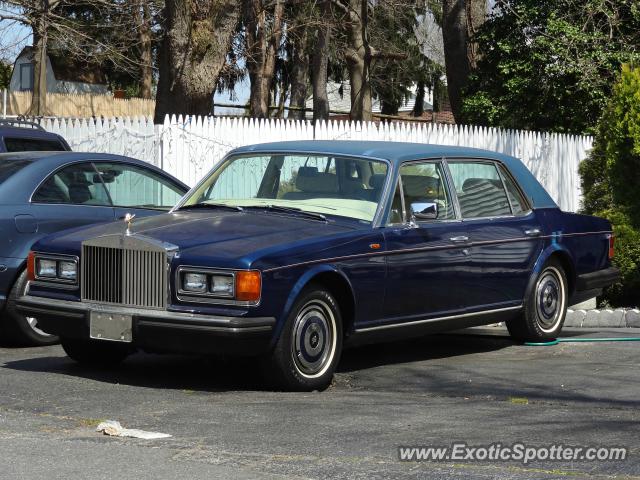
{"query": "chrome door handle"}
{"type": "Point", "coordinates": [460, 239]}
{"type": "Point", "coordinates": [533, 232]}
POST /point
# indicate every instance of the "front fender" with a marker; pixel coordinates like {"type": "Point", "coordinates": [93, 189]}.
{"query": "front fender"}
{"type": "Point", "coordinates": [300, 284]}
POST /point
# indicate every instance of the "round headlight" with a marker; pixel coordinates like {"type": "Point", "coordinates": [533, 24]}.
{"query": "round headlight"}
{"type": "Point", "coordinates": [194, 282]}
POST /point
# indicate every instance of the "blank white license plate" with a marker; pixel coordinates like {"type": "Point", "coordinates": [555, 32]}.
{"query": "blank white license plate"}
{"type": "Point", "coordinates": [110, 326]}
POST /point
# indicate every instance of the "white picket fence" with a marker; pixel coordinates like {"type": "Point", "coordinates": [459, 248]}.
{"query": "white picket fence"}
{"type": "Point", "coordinates": [189, 147]}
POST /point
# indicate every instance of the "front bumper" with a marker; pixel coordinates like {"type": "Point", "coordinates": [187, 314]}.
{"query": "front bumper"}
{"type": "Point", "coordinates": [157, 331]}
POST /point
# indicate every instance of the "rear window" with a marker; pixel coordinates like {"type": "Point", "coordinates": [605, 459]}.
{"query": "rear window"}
{"type": "Point", "coordinates": [8, 168]}
{"type": "Point", "coordinates": [32, 145]}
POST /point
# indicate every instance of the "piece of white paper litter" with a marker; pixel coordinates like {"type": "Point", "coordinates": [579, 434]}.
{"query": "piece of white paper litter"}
{"type": "Point", "coordinates": [114, 429]}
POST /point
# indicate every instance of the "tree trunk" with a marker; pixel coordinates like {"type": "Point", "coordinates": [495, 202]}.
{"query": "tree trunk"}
{"type": "Point", "coordinates": [461, 19]}
{"type": "Point", "coordinates": [418, 107]}
{"type": "Point", "coordinates": [358, 57]}
{"type": "Point", "coordinates": [300, 69]}
{"type": "Point", "coordinates": [320, 63]}
{"type": "Point", "coordinates": [146, 55]}
{"type": "Point", "coordinates": [263, 41]}
{"type": "Point", "coordinates": [197, 37]}
{"type": "Point", "coordinates": [40, 36]}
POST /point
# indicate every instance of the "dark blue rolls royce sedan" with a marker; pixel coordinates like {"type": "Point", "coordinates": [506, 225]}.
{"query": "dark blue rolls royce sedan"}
{"type": "Point", "coordinates": [290, 251]}
{"type": "Point", "coordinates": [45, 192]}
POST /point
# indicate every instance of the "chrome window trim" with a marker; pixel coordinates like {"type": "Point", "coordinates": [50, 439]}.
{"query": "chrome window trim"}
{"type": "Point", "coordinates": [498, 166]}
{"type": "Point", "coordinates": [192, 297]}
{"type": "Point", "coordinates": [55, 282]}
{"type": "Point", "coordinates": [448, 184]}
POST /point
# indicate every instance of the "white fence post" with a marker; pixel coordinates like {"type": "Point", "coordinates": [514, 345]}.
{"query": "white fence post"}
{"type": "Point", "coordinates": [4, 103]}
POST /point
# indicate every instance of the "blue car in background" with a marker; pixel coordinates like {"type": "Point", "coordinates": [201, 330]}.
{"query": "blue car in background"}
{"type": "Point", "coordinates": [22, 136]}
{"type": "Point", "coordinates": [44, 192]}
{"type": "Point", "coordinates": [289, 251]}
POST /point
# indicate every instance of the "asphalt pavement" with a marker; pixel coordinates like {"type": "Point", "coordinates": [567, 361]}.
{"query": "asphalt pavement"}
{"type": "Point", "coordinates": [475, 387]}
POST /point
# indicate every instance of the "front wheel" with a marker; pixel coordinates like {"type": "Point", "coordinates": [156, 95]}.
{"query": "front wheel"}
{"type": "Point", "coordinates": [309, 347]}
{"type": "Point", "coordinates": [545, 307]}
{"type": "Point", "coordinates": [98, 353]}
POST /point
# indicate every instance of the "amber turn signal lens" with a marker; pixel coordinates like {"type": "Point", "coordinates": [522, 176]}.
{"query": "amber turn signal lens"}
{"type": "Point", "coordinates": [248, 286]}
{"type": "Point", "coordinates": [31, 266]}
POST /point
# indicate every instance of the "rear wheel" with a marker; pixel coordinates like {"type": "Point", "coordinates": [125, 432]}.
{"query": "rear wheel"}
{"type": "Point", "coordinates": [310, 344]}
{"type": "Point", "coordinates": [95, 352]}
{"type": "Point", "coordinates": [19, 329]}
{"type": "Point", "coordinates": [545, 308]}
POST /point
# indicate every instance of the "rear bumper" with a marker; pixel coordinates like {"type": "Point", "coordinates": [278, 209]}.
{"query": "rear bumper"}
{"type": "Point", "coordinates": [598, 279]}
{"type": "Point", "coordinates": [158, 331]}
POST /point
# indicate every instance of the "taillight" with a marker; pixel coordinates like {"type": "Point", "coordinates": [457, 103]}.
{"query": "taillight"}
{"type": "Point", "coordinates": [31, 266]}
{"type": "Point", "coordinates": [612, 250]}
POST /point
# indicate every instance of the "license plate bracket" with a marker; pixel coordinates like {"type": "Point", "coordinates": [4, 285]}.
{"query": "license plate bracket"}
{"type": "Point", "coordinates": [109, 326]}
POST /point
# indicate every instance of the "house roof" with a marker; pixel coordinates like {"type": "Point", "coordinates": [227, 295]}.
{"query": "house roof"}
{"type": "Point", "coordinates": [339, 95]}
{"type": "Point", "coordinates": [68, 69]}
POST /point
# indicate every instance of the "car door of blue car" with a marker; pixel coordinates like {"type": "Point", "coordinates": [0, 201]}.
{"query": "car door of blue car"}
{"type": "Point", "coordinates": [71, 197]}
{"type": "Point", "coordinates": [503, 230]}
{"type": "Point", "coordinates": [428, 261]}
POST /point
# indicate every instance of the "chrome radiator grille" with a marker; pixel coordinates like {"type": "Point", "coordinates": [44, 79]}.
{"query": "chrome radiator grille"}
{"type": "Point", "coordinates": [133, 278]}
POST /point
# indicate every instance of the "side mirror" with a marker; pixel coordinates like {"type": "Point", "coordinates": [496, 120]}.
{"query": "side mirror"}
{"type": "Point", "coordinates": [424, 211]}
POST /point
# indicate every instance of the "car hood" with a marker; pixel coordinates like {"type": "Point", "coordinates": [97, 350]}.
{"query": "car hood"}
{"type": "Point", "coordinates": [232, 239]}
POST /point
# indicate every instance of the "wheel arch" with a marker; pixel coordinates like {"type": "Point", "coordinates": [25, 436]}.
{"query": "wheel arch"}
{"type": "Point", "coordinates": [336, 282]}
{"type": "Point", "coordinates": [562, 255]}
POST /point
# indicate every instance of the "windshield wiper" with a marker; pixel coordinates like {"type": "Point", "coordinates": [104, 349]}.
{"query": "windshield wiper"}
{"type": "Point", "coordinates": [297, 211]}
{"type": "Point", "coordinates": [211, 205]}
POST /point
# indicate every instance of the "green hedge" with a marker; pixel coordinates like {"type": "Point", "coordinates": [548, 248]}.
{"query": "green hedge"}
{"type": "Point", "coordinates": [611, 183]}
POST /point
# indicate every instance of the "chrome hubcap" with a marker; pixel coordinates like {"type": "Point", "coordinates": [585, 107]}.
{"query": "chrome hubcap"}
{"type": "Point", "coordinates": [314, 339]}
{"type": "Point", "coordinates": [549, 299]}
{"type": "Point", "coordinates": [33, 323]}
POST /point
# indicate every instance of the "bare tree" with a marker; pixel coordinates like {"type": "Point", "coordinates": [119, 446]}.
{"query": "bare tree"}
{"type": "Point", "coordinates": [197, 37]}
{"type": "Point", "coordinates": [320, 63]}
{"type": "Point", "coordinates": [460, 21]}
{"type": "Point", "coordinates": [263, 33]}
{"type": "Point", "coordinates": [90, 31]}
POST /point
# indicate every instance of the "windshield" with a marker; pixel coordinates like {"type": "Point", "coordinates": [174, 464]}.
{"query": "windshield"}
{"type": "Point", "coordinates": [322, 184]}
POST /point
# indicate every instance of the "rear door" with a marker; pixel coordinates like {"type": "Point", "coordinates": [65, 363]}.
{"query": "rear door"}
{"type": "Point", "coordinates": [503, 230]}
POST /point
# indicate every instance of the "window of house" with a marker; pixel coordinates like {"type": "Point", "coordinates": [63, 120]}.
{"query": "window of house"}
{"type": "Point", "coordinates": [26, 76]}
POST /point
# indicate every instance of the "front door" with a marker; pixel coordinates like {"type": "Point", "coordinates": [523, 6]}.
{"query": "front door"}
{"type": "Point", "coordinates": [428, 260]}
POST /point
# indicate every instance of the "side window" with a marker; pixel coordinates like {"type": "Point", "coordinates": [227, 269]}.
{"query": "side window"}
{"type": "Point", "coordinates": [32, 145]}
{"type": "Point", "coordinates": [75, 185]}
{"type": "Point", "coordinates": [480, 189]}
{"type": "Point", "coordinates": [425, 183]}
{"type": "Point", "coordinates": [135, 187]}
{"type": "Point", "coordinates": [518, 203]}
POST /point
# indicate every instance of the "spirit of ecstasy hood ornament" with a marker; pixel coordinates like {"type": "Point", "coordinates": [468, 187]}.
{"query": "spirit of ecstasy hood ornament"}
{"type": "Point", "coordinates": [128, 219]}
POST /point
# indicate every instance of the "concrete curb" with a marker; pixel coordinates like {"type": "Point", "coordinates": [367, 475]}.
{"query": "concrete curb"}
{"type": "Point", "coordinates": [619, 318]}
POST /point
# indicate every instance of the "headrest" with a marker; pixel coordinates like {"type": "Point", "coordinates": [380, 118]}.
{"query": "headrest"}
{"type": "Point", "coordinates": [79, 193]}
{"type": "Point", "coordinates": [480, 183]}
{"type": "Point", "coordinates": [311, 181]}
{"type": "Point", "coordinates": [420, 186]}
{"type": "Point", "coordinates": [376, 181]}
